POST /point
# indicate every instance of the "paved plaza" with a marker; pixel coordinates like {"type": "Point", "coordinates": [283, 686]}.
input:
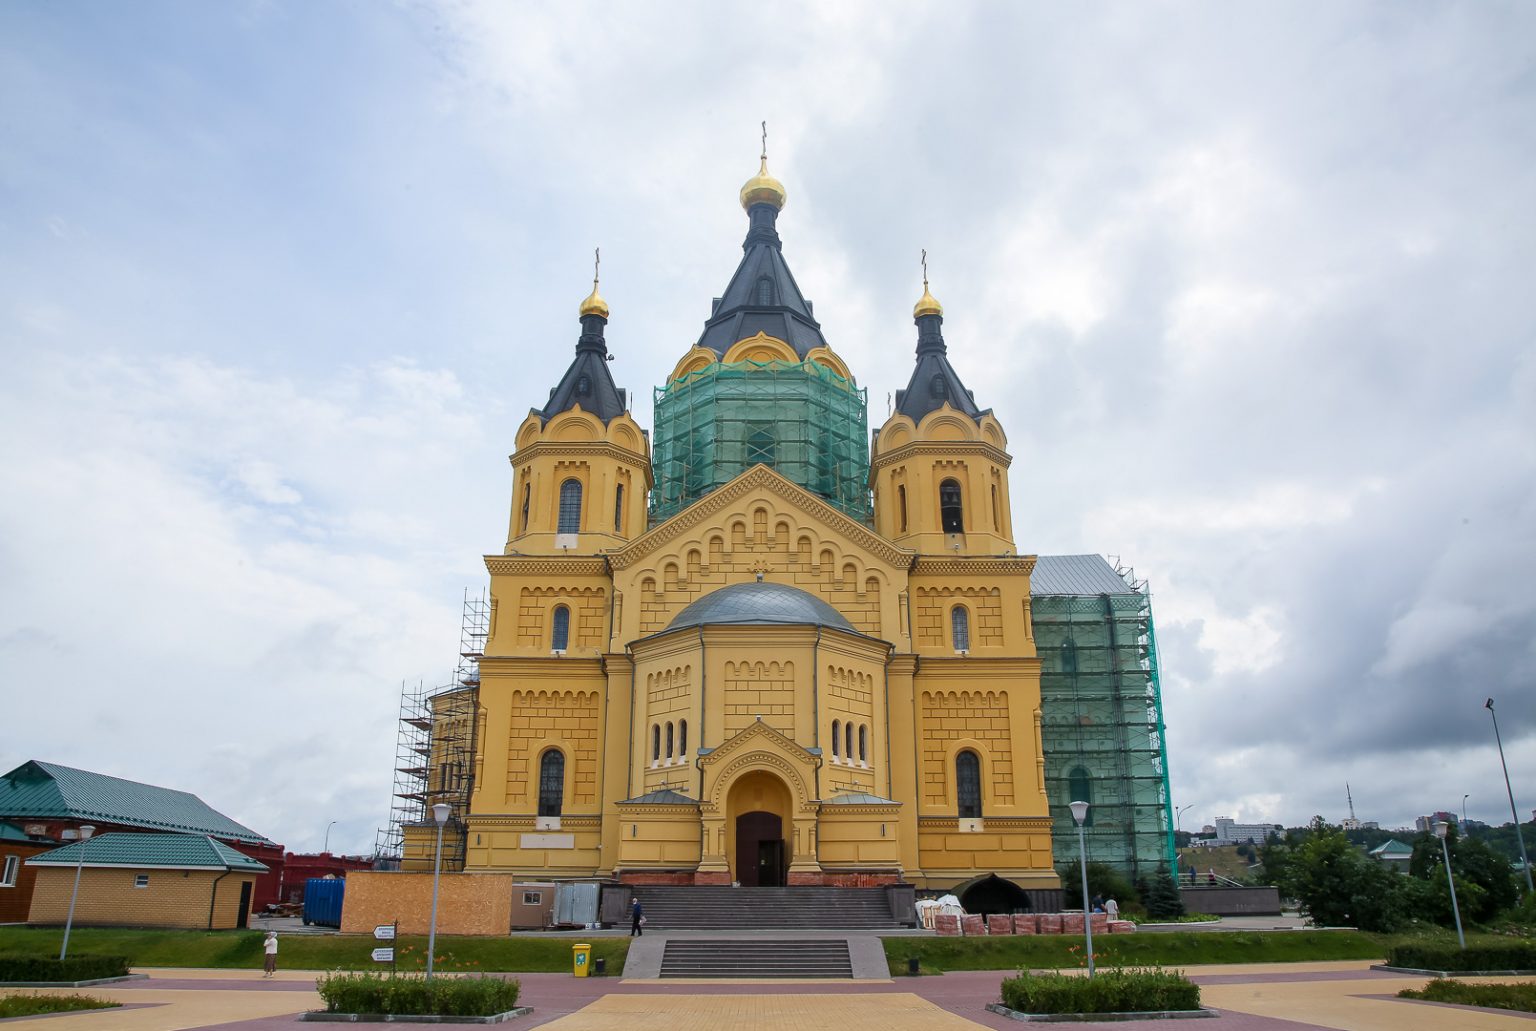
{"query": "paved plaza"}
{"type": "Point", "coordinates": [1260, 997]}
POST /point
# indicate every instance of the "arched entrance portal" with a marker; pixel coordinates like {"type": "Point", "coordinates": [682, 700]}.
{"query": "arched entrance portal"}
{"type": "Point", "coordinates": [758, 810]}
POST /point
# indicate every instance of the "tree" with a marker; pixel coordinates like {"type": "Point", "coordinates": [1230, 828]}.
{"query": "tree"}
{"type": "Point", "coordinates": [1485, 880]}
{"type": "Point", "coordinates": [1103, 880]}
{"type": "Point", "coordinates": [1162, 898]}
{"type": "Point", "coordinates": [1338, 885]}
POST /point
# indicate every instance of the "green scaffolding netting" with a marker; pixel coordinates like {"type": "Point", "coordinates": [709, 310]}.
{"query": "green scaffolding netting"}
{"type": "Point", "coordinates": [801, 418]}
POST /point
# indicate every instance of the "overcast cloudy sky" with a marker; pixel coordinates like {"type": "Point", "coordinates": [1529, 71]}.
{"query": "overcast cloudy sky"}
{"type": "Point", "coordinates": [1249, 286]}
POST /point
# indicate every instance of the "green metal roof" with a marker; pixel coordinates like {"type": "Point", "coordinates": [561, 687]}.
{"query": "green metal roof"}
{"type": "Point", "coordinates": [661, 796]}
{"type": "Point", "coordinates": [40, 790]}
{"type": "Point", "coordinates": [172, 851]}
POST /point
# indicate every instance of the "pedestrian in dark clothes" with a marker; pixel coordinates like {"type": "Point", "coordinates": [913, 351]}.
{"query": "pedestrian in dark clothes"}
{"type": "Point", "coordinates": [636, 918]}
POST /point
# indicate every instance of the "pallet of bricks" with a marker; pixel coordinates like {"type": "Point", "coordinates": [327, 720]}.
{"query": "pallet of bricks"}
{"type": "Point", "coordinates": [948, 924]}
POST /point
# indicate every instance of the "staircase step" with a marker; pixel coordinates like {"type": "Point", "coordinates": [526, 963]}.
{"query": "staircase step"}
{"type": "Point", "coordinates": [695, 957]}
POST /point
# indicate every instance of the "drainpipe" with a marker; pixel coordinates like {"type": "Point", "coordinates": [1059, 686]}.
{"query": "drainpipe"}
{"type": "Point", "coordinates": [214, 898]}
{"type": "Point", "coordinates": [703, 709]}
{"type": "Point", "coordinates": [816, 706]}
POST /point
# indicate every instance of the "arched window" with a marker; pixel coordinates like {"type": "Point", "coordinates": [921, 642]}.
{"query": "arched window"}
{"type": "Point", "coordinates": [551, 782]}
{"type": "Point", "coordinates": [1069, 657]}
{"type": "Point", "coordinates": [837, 727]}
{"type": "Point", "coordinates": [560, 638]}
{"type": "Point", "coordinates": [570, 507]}
{"type": "Point", "coordinates": [901, 505]}
{"type": "Point", "coordinates": [765, 290]}
{"type": "Point", "coordinates": [968, 784]}
{"type": "Point", "coordinates": [655, 742]}
{"type": "Point", "coordinates": [583, 386]}
{"type": "Point", "coordinates": [671, 741]}
{"type": "Point", "coordinates": [863, 743]}
{"type": "Point", "coordinates": [1080, 788]}
{"type": "Point", "coordinates": [848, 740]}
{"type": "Point", "coordinates": [939, 387]}
{"type": "Point", "coordinates": [618, 509]}
{"type": "Point", "coordinates": [950, 512]}
{"type": "Point", "coordinates": [682, 738]}
{"type": "Point", "coordinates": [760, 443]}
{"type": "Point", "coordinates": [527, 499]}
{"type": "Point", "coordinates": [960, 628]}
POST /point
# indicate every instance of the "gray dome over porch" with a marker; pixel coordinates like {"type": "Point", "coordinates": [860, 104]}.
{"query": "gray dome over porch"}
{"type": "Point", "coordinates": [760, 602]}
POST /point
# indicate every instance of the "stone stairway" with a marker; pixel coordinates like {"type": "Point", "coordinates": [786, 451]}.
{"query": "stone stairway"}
{"type": "Point", "coordinates": [760, 957]}
{"type": "Point", "coordinates": [740, 909]}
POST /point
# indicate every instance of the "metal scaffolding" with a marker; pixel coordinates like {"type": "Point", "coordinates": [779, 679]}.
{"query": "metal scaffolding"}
{"type": "Point", "coordinates": [802, 418]}
{"type": "Point", "coordinates": [435, 746]}
{"type": "Point", "coordinates": [1102, 710]}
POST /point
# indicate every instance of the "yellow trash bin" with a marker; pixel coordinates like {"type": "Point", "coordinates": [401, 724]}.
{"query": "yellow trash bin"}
{"type": "Point", "coordinates": [581, 960]}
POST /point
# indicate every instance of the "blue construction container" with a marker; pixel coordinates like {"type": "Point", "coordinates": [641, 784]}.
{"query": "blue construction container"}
{"type": "Point", "coordinates": [322, 901]}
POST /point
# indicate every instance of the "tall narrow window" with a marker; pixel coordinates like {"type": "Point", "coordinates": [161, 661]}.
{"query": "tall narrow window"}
{"type": "Point", "coordinates": [863, 743]}
{"type": "Point", "coordinates": [837, 728]}
{"type": "Point", "coordinates": [950, 511]}
{"type": "Point", "coordinates": [570, 507]}
{"type": "Point", "coordinates": [848, 740]}
{"type": "Point", "coordinates": [765, 290]}
{"type": "Point", "coordinates": [682, 738]}
{"type": "Point", "coordinates": [618, 509]}
{"type": "Point", "coordinates": [939, 387]}
{"type": "Point", "coordinates": [671, 740]}
{"type": "Point", "coordinates": [583, 385]}
{"type": "Point", "coordinates": [656, 742]}
{"type": "Point", "coordinates": [551, 782]}
{"type": "Point", "coordinates": [901, 506]}
{"type": "Point", "coordinates": [560, 638]}
{"type": "Point", "coordinates": [1081, 789]}
{"type": "Point", "coordinates": [960, 628]}
{"type": "Point", "coordinates": [527, 498]}
{"type": "Point", "coordinates": [968, 784]}
{"type": "Point", "coordinates": [997, 512]}
{"type": "Point", "coordinates": [8, 878]}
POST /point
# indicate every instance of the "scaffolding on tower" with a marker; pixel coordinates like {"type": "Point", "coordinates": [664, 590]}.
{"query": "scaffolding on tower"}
{"type": "Point", "coordinates": [434, 751]}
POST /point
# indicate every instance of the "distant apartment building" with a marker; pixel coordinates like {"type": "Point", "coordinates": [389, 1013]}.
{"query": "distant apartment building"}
{"type": "Point", "coordinates": [1230, 832]}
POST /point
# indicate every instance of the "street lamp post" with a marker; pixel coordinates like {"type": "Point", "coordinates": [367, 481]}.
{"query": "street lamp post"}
{"type": "Point", "coordinates": [1079, 814]}
{"type": "Point", "coordinates": [1520, 837]}
{"type": "Point", "coordinates": [1464, 812]}
{"type": "Point", "coordinates": [1178, 817]}
{"type": "Point", "coordinates": [326, 848]}
{"type": "Point", "coordinates": [69, 921]}
{"type": "Point", "coordinates": [440, 814]}
{"type": "Point", "coordinates": [1440, 830]}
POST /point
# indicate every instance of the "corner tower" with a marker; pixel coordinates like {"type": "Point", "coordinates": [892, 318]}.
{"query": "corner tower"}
{"type": "Point", "coordinates": [582, 465]}
{"type": "Point", "coordinates": [761, 386]}
{"type": "Point", "coordinates": [939, 469]}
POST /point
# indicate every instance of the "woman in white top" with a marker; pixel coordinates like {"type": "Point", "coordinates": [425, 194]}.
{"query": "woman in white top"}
{"type": "Point", "coordinates": [270, 948]}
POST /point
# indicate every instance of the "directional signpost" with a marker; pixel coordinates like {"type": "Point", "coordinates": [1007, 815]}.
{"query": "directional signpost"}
{"type": "Point", "coordinates": [386, 933]}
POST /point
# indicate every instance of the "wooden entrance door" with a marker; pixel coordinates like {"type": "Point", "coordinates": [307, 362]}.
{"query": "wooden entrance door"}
{"type": "Point", "coordinates": [759, 850]}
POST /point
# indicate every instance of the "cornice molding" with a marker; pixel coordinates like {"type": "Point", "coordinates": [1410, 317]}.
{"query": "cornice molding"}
{"type": "Point", "coordinates": [760, 477]}
{"type": "Point", "coordinates": [586, 448]}
{"type": "Point", "coordinates": [944, 447]}
{"type": "Point", "coordinates": [990, 565]}
{"type": "Point", "coordinates": [1014, 823]}
{"type": "Point", "coordinates": [545, 565]}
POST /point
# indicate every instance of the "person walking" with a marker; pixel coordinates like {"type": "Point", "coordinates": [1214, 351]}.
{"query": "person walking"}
{"type": "Point", "coordinates": [269, 947]}
{"type": "Point", "coordinates": [1112, 908]}
{"type": "Point", "coordinates": [636, 918]}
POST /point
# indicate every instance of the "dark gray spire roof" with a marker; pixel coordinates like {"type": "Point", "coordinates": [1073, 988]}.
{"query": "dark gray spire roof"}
{"type": "Point", "coordinates": [760, 602]}
{"type": "Point", "coordinates": [934, 381]}
{"type": "Point", "coordinates": [588, 382]}
{"type": "Point", "coordinates": [762, 296]}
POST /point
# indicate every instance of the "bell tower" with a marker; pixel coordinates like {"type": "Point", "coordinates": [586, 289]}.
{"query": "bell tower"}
{"type": "Point", "coordinates": [938, 466]}
{"type": "Point", "coordinates": [582, 466]}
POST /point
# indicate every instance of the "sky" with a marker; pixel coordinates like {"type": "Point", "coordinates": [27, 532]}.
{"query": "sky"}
{"type": "Point", "coordinates": [1248, 286]}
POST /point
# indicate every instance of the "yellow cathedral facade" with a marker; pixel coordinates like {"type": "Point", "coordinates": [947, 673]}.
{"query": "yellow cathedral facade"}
{"type": "Point", "coordinates": [767, 647]}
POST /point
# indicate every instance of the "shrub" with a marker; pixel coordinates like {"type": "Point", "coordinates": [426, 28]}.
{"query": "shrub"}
{"type": "Point", "coordinates": [1103, 880]}
{"type": "Point", "coordinates": [1162, 898]}
{"type": "Point", "coordinates": [34, 1005]}
{"type": "Point", "coordinates": [1514, 956]}
{"type": "Point", "coordinates": [1520, 997]}
{"type": "Point", "coordinates": [1116, 990]}
{"type": "Point", "coordinates": [441, 996]}
{"type": "Point", "coordinates": [51, 968]}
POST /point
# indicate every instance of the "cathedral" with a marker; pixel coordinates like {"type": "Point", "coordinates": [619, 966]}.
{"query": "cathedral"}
{"type": "Point", "coordinates": [765, 646]}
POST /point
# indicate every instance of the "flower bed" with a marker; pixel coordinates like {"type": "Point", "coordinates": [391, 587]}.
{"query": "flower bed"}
{"type": "Point", "coordinates": [1514, 956]}
{"type": "Point", "coordinates": [1116, 990]}
{"type": "Point", "coordinates": [409, 994]}
{"type": "Point", "coordinates": [1520, 997]}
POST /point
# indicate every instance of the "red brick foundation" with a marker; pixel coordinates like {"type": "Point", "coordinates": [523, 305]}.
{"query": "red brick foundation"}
{"type": "Point", "coordinates": [657, 877]}
{"type": "Point", "coordinates": [807, 878]}
{"type": "Point", "coordinates": [722, 878]}
{"type": "Point", "coordinates": [860, 880]}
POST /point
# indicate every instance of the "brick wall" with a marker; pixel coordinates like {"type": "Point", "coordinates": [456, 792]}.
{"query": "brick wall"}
{"type": "Point", "coordinates": [16, 900]}
{"type": "Point", "coordinates": [468, 903]}
{"type": "Point", "coordinates": [108, 898]}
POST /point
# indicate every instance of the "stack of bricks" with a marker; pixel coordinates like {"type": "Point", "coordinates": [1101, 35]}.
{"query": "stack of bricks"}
{"type": "Point", "coordinates": [948, 925]}
{"type": "Point", "coordinates": [973, 924]}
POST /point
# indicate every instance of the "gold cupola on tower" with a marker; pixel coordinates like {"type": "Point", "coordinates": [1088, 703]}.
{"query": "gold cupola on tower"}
{"type": "Point", "coordinates": [926, 304]}
{"type": "Point", "coordinates": [594, 304]}
{"type": "Point", "coordinates": [763, 188]}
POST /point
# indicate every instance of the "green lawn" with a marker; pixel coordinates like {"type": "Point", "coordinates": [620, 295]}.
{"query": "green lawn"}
{"type": "Point", "coordinates": [242, 950]}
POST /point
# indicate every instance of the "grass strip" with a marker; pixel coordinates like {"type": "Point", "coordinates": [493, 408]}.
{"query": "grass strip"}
{"type": "Point", "coordinates": [1520, 997]}
{"type": "Point", "coordinates": [19, 1005]}
{"type": "Point", "coordinates": [1172, 948]}
{"type": "Point", "coordinates": [234, 950]}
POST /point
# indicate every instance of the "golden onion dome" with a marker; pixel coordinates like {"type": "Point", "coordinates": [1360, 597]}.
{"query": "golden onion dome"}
{"type": "Point", "coordinates": [594, 304]}
{"type": "Point", "coordinates": [763, 188]}
{"type": "Point", "coordinates": [927, 304]}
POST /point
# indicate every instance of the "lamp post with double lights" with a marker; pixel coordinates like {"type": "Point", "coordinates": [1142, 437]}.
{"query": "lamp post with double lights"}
{"type": "Point", "coordinates": [1519, 837]}
{"type": "Point", "coordinates": [439, 813]}
{"type": "Point", "coordinates": [69, 921]}
{"type": "Point", "coordinates": [1079, 815]}
{"type": "Point", "coordinates": [1441, 827]}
